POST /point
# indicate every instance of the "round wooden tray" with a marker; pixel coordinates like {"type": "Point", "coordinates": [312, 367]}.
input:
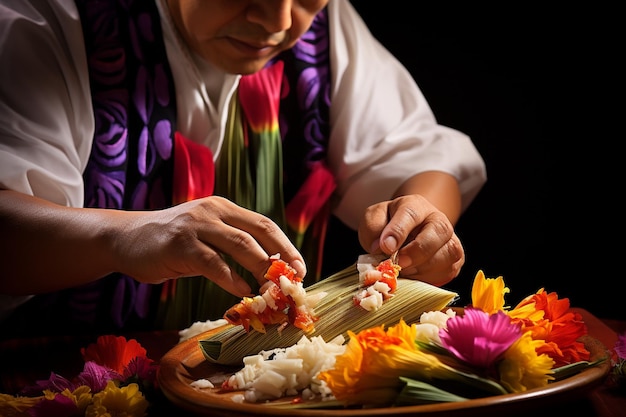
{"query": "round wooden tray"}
{"type": "Point", "coordinates": [185, 363]}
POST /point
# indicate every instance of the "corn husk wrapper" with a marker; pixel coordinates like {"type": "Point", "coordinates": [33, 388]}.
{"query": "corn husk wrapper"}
{"type": "Point", "coordinates": [337, 314]}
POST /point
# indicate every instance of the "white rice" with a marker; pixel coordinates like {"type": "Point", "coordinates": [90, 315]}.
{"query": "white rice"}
{"type": "Point", "coordinates": [202, 384]}
{"type": "Point", "coordinates": [287, 371]}
{"type": "Point", "coordinates": [200, 327]}
{"type": "Point", "coordinates": [430, 323]}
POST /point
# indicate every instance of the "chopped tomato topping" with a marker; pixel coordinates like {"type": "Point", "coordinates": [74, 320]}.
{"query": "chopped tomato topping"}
{"type": "Point", "coordinates": [281, 309]}
{"type": "Point", "coordinates": [279, 268]}
{"type": "Point", "coordinates": [390, 273]}
{"type": "Point", "coordinates": [386, 272]}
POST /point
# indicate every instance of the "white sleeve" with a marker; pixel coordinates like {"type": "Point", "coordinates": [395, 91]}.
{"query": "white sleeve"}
{"type": "Point", "coordinates": [46, 117]}
{"type": "Point", "coordinates": [383, 130]}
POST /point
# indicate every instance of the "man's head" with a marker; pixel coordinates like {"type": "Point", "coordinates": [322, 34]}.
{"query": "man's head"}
{"type": "Point", "coordinates": [241, 36]}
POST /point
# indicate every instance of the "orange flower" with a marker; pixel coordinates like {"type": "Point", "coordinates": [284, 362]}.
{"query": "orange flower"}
{"type": "Point", "coordinates": [114, 352]}
{"type": "Point", "coordinates": [559, 327]}
{"type": "Point", "coordinates": [370, 369]}
{"type": "Point", "coordinates": [543, 314]}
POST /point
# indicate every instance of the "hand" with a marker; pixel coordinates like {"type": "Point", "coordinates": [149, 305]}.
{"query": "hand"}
{"type": "Point", "coordinates": [187, 240]}
{"type": "Point", "coordinates": [48, 247]}
{"type": "Point", "coordinates": [429, 249]}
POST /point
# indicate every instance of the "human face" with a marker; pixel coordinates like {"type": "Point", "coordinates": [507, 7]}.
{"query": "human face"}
{"type": "Point", "coordinates": [241, 36]}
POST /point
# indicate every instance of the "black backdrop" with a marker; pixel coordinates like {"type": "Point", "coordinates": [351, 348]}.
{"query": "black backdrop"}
{"type": "Point", "coordinates": [540, 96]}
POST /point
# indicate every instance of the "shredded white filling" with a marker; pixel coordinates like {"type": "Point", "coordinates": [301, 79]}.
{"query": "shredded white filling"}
{"type": "Point", "coordinates": [269, 300]}
{"type": "Point", "coordinates": [202, 384]}
{"type": "Point", "coordinates": [258, 304]}
{"type": "Point", "coordinates": [200, 327]}
{"type": "Point", "coordinates": [287, 371]}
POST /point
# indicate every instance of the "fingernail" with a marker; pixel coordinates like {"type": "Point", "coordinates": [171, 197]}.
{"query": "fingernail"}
{"type": "Point", "coordinates": [375, 248]}
{"type": "Point", "coordinates": [404, 261]}
{"type": "Point", "coordinates": [300, 267]}
{"type": "Point", "coordinates": [242, 287]}
{"type": "Point", "coordinates": [391, 243]}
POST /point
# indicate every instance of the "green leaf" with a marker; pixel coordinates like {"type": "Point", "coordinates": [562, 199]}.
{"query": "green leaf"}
{"type": "Point", "coordinates": [573, 368]}
{"type": "Point", "coordinates": [316, 404]}
{"type": "Point", "coordinates": [474, 386]}
{"type": "Point", "coordinates": [419, 392]}
{"type": "Point", "coordinates": [432, 348]}
{"type": "Point", "coordinates": [211, 348]}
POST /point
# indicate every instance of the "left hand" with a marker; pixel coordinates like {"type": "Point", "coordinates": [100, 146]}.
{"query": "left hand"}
{"type": "Point", "coordinates": [429, 249]}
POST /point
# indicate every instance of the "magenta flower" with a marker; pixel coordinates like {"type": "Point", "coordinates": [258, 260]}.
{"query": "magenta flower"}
{"type": "Point", "coordinates": [478, 338]}
{"type": "Point", "coordinates": [96, 376]}
{"type": "Point", "coordinates": [55, 383]}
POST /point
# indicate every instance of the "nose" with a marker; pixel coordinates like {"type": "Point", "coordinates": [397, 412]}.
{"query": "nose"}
{"type": "Point", "coordinates": [273, 15]}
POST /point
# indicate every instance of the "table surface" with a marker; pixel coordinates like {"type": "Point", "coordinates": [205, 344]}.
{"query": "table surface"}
{"type": "Point", "coordinates": [23, 361]}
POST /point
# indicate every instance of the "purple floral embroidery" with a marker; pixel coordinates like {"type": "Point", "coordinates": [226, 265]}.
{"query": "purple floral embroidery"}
{"type": "Point", "coordinates": [305, 117]}
{"type": "Point", "coordinates": [134, 112]}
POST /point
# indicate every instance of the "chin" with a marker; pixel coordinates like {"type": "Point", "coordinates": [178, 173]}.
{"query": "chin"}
{"type": "Point", "coordinates": [246, 68]}
{"type": "Point", "coordinates": [243, 66]}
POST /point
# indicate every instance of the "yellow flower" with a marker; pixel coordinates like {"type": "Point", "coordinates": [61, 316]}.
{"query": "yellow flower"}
{"type": "Point", "coordinates": [11, 406]}
{"type": "Point", "coordinates": [369, 371]}
{"type": "Point", "coordinates": [488, 293]}
{"type": "Point", "coordinates": [522, 369]}
{"type": "Point", "coordinates": [127, 401]}
{"type": "Point", "coordinates": [81, 396]}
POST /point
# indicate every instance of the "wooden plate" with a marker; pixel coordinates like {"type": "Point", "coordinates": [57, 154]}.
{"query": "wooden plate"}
{"type": "Point", "coordinates": [185, 363]}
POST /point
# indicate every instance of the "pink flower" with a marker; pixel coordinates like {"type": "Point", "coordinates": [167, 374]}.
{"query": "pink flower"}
{"type": "Point", "coordinates": [478, 338]}
{"type": "Point", "coordinates": [95, 376]}
{"type": "Point", "coordinates": [55, 383]}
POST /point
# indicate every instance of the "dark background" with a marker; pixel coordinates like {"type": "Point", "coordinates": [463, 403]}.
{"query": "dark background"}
{"type": "Point", "coordinates": [541, 96]}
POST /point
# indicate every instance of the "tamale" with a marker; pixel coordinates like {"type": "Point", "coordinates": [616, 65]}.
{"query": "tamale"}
{"type": "Point", "coordinates": [336, 314]}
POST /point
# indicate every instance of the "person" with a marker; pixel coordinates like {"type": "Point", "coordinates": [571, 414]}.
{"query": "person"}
{"type": "Point", "coordinates": [155, 154]}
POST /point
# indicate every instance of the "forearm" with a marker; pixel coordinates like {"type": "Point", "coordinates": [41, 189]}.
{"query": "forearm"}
{"type": "Point", "coordinates": [439, 188]}
{"type": "Point", "coordinates": [46, 247]}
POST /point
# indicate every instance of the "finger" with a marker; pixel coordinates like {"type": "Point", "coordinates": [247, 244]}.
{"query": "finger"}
{"type": "Point", "coordinates": [405, 221]}
{"type": "Point", "coordinates": [435, 277]}
{"type": "Point", "coordinates": [440, 268]}
{"type": "Point", "coordinates": [248, 237]}
{"type": "Point", "coordinates": [192, 257]}
{"type": "Point", "coordinates": [435, 232]}
{"type": "Point", "coordinates": [271, 240]}
{"type": "Point", "coordinates": [371, 226]}
{"type": "Point", "coordinates": [218, 271]}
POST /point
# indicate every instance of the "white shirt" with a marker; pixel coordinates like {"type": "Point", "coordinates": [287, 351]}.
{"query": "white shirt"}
{"type": "Point", "coordinates": [382, 129]}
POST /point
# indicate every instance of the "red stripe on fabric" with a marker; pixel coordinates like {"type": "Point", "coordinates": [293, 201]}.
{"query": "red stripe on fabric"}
{"type": "Point", "coordinates": [194, 170]}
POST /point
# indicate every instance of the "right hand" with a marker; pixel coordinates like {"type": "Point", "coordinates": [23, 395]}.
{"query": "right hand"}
{"type": "Point", "coordinates": [187, 239]}
{"type": "Point", "coordinates": [47, 247]}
